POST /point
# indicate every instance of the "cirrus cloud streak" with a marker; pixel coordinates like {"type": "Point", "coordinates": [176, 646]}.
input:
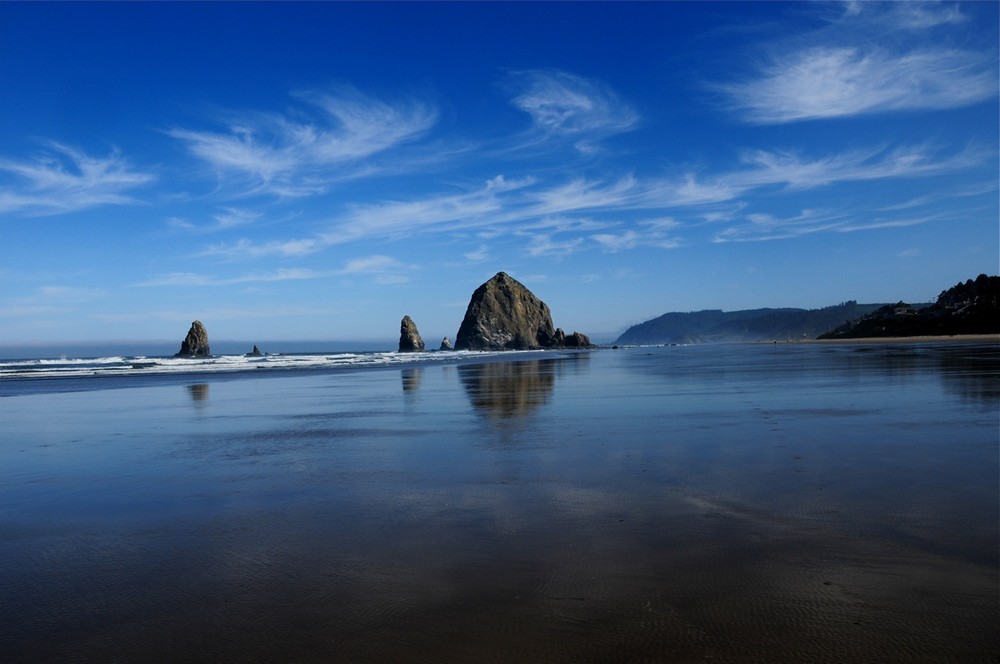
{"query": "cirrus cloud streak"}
{"type": "Point", "coordinates": [63, 179]}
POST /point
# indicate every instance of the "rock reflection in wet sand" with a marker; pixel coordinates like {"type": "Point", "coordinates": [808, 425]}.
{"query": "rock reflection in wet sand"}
{"type": "Point", "coordinates": [411, 379]}
{"type": "Point", "coordinates": [198, 391]}
{"type": "Point", "coordinates": [505, 390]}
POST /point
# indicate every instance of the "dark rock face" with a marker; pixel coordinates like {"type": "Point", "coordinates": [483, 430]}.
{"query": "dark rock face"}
{"type": "Point", "coordinates": [446, 344]}
{"type": "Point", "coordinates": [504, 315]}
{"type": "Point", "coordinates": [195, 344]}
{"type": "Point", "coordinates": [409, 337]}
{"type": "Point", "coordinates": [575, 340]}
{"type": "Point", "coordinates": [255, 352]}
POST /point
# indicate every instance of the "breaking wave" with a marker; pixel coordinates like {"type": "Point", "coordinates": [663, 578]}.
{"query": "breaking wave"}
{"type": "Point", "coordinates": [141, 365]}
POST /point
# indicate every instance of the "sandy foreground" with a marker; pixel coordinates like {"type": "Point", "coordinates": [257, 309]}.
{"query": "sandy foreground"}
{"type": "Point", "coordinates": [702, 503]}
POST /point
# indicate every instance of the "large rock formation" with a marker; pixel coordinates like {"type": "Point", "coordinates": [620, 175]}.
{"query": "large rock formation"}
{"type": "Point", "coordinates": [409, 337]}
{"type": "Point", "coordinates": [504, 315]}
{"type": "Point", "coordinates": [195, 344]}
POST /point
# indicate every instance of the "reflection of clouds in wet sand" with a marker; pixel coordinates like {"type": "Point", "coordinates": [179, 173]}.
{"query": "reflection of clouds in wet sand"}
{"type": "Point", "coordinates": [570, 574]}
{"type": "Point", "coordinates": [650, 575]}
{"type": "Point", "coordinates": [508, 389]}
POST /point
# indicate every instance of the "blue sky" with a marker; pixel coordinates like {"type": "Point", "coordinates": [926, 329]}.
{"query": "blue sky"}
{"type": "Point", "coordinates": [318, 170]}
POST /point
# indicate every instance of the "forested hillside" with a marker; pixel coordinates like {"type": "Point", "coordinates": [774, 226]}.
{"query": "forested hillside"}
{"type": "Point", "coordinates": [713, 326]}
{"type": "Point", "coordinates": [972, 307]}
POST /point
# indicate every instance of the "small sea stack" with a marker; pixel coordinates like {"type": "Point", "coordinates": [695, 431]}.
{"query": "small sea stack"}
{"type": "Point", "coordinates": [195, 344]}
{"type": "Point", "coordinates": [446, 344]}
{"type": "Point", "coordinates": [255, 352]}
{"type": "Point", "coordinates": [409, 337]}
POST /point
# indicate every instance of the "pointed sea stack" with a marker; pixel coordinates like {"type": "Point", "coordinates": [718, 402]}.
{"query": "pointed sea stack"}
{"type": "Point", "coordinates": [504, 315]}
{"type": "Point", "coordinates": [195, 344]}
{"type": "Point", "coordinates": [409, 337]}
{"type": "Point", "coordinates": [446, 344]}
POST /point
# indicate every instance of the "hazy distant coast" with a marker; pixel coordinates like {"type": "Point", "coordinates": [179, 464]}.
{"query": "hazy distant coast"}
{"type": "Point", "coordinates": [968, 308]}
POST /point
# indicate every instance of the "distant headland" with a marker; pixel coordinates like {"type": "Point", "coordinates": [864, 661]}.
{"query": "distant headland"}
{"type": "Point", "coordinates": [965, 309]}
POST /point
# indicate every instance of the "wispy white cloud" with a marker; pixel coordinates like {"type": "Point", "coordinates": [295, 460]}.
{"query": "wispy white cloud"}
{"type": "Point", "coordinates": [195, 279]}
{"type": "Point", "coordinates": [475, 208]}
{"type": "Point", "coordinates": [791, 170]}
{"type": "Point", "coordinates": [549, 213]}
{"type": "Point", "coordinates": [762, 169]}
{"type": "Point", "coordinates": [566, 105]}
{"type": "Point", "coordinates": [288, 156]}
{"type": "Point", "coordinates": [875, 57]}
{"type": "Point", "coordinates": [545, 244]}
{"type": "Point", "coordinates": [916, 202]}
{"type": "Point", "coordinates": [232, 217]}
{"type": "Point", "coordinates": [581, 195]}
{"type": "Point", "coordinates": [837, 81]}
{"type": "Point", "coordinates": [365, 125]}
{"type": "Point", "coordinates": [648, 233]}
{"type": "Point", "coordinates": [224, 220]}
{"type": "Point", "coordinates": [616, 242]}
{"type": "Point", "coordinates": [916, 16]}
{"type": "Point", "coordinates": [180, 223]}
{"type": "Point", "coordinates": [478, 255]}
{"type": "Point", "coordinates": [760, 227]}
{"type": "Point", "coordinates": [903, 222]}
{"type": "Point", "coordinates": [265, 311]}
{"type": "Point", "coordinates": [63, 179]}
{"type": "Point", "coordinates": [556, 236]}
{"type": "Point", "coordinates": [660, 224]}
{"type": "Point", "coordinates": [372, 265]}
{"type": "Point", "coordinates": [723, 215]}
{"type": "Point", "coordinates": [246, 248]}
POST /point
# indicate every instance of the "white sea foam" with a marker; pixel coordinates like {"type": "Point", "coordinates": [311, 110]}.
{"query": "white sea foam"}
{"type": "Point", "coordinates": [123, 366]}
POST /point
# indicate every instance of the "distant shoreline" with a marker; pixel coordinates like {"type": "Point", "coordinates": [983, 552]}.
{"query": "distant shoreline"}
{"type": "Point", "coordinates": [944, 338]}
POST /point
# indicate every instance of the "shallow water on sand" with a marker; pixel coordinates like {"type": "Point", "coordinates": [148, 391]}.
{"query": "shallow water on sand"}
{"type": "Point", "coordinates": [732, 503]}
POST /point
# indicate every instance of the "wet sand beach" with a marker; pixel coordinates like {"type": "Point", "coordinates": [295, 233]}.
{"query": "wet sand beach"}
{"type": "Point", "coordinates": [950, 338]}
{"type": "Point", "coordinates": [739, 503]}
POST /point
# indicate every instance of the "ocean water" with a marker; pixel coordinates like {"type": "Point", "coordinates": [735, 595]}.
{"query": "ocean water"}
{"type": "Point", "coordinates": [752, 503]}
